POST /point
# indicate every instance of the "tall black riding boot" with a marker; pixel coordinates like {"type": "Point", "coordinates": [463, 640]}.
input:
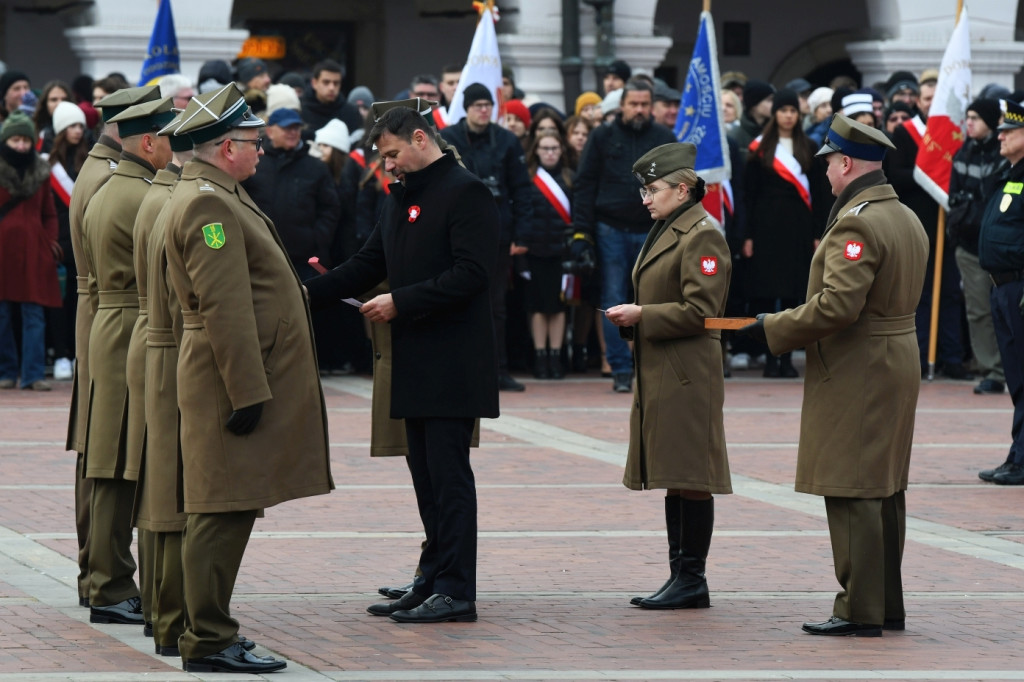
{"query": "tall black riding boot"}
{"type": "Point", "coordinates": [690, 588]}
{"type": "Point", "coordinates": [786, 367]}
{"type": "Point", "coordinates": [674, 528]}
{"type": "Point", "coordinates": [555, 368]}
{"type": "Point", "coordinates": [540, 364]}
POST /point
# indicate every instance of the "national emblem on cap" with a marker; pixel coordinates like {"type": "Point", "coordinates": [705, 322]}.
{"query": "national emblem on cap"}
{"type": "Point", "coordinates": [1013, 115]}
{"type": "Point", "coordinates": [856, 140]}
{"type": "Point", "coordinates": [116, 102]}
{"type": "Point", "coordinates": [210, 115]}
{"type": "Point", "coordinates": [147, 117]}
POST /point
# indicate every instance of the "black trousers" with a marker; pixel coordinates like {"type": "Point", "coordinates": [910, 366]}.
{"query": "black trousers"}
{"type": "Point", "coordinates": [446, 496]}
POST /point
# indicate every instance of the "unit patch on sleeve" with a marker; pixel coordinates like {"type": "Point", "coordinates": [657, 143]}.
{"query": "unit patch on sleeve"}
{"type": "Point", "coordinates": [708, 265]}
{"type": "Point", "coordinates": [213, 234]}
{"type": "Point", "coordinates": [853, 250]}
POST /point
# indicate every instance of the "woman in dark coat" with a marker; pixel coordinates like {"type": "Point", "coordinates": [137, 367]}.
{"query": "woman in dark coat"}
{"type": "Point", "coordinates": [784, 198]}
{"type": "Point", "coordinates": [28, 253]}
{"type": "Point", "coordinates": [551, 195]}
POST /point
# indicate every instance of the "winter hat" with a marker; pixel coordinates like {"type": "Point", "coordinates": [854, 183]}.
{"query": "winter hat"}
{"type": "Point", "coordinates": [611, 102]}
{"type": "Point", "coordinates": [857, 103]}
{"type": "Point", "coordinates": [292, 79]}
{"type": "Point", "coordinates": [987, 110]}
{"type": "Point", "coordinates": [29, 101]}
{"type": "Point", "coordinates": [335, 134]}
{"type": "Point", "coordinates": [785, 98]}
{"type": "Point", "coordinates": [517, 109]}
{"type": "Point", "coordinates": [819, 97]}
{"type": "Point", "coordinates": [901, 80]}
{"type": "Point", "coordinates": [281, 96]}
{"type": "Point", "coordinates": [586, 99]}
{"type": "Point", "coordinates": [799, 85]}
{"type": "Point", "coordinates": [620, 69]}
{"type": "Point", "coordinates": [8, 79]}
{"type": "Point", "coordinates": [994, 91]}
{"type": "Point", "coordinates": [474, 93]}
{"type": "Point", "coordinates": [755, 92]}
{"type": "Point", "coordinates": [17, 123]}
{"type": "Point", "coordinates": [837, 98]}
{"type": "Point", "coordinates": [360, 96]}
{"type": "Point", "coordinates": [248, 68]}
{"type": "Point", "coordinates": [66, 114]}
{"type": "Point", "coordinates": [215, 70]}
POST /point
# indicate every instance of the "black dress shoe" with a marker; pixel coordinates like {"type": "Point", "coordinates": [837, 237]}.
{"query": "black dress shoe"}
{"type": "Point", "coordinates": [234, 659]}
{"type": "Point", "coordinates": [169, 650]}
{"type": "Point", "coordinates": [989, 386]}
{"type": "Point", "coordinates": [247, 644]}
{"type": "Point", "coordinates": [1012, 475]}
{"type": "Point", "coordinates": [989, 475]}
{"type": "Point", "coordinates": [127, 612]}
{"type": "Point", "coordinates": [147, 629]}
{"type": "Point", "coordinates": [622, 382]}
{"type": "Point", "coordinates": [409, 600]}
{"type": "Point", "coordinates": [394, 592]}
{"type": "Point", "coordinates": [438, 609]}
{"type": "Point", "coordinates": [507, 383]}
{"type": "Point", "coordinates": [894, 624]}
{"type": "Point", "coordinates": [838, 627]}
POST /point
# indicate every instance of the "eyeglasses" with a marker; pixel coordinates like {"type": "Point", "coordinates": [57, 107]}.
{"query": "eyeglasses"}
{"type": "Point", "coordinates": [898, 119]}
{"type": "Point", "coordinates": [645, 192]}
{"type": "Point", "coordinates": [258, 141]}
{"type": "Point", "coordinates": [481, 105]}
{"type": "Point", "coordinates": [549, 150]}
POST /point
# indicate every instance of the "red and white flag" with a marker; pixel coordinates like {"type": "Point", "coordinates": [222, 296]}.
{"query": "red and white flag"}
{"type": "Point", "coordinates": [483, 65]}
{"type": "Point", "coordinates": [944, 134]}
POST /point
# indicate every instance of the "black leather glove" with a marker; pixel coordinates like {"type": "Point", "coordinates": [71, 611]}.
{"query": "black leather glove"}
{"type": "Point", "coordinates": [581, 245]}
{"type": "Point", "coordinates": [755, 330]}
{"type": "Point", "coordinates": [243, 421]}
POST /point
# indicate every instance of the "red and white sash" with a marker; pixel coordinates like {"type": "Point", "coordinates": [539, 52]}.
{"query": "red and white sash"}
{"type": "Point", "coordinates": [916, 127]}
{"type": "Point", "coordinates": [788, 168]}
{"type": "Point", "coordinates": [359, 156]}
{"type": "Point", "coordinates": [61, 183]}
{"type": "Point", "coordinates": [440, 115]}
{"type": "Point", "coordinates": [554, 194]}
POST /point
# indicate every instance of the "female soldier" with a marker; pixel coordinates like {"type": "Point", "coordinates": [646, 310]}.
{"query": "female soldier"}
{"type": "Point", "coordinates": [677, 439]}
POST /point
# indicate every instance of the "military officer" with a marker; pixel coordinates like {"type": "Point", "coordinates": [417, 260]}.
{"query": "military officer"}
{"type": "Point", "coordinates": [1001, 253]}
{"type": "Point", "coordinates": [107, 237]}
{"type": "Point", "coordinates": [96, 170]}
{"type": "Point", "coordinates": [863, 377]}
{"type": "Point", "coordinates": [246, 365]}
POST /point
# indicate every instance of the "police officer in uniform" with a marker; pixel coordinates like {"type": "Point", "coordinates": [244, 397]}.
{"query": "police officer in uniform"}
{"type": "Point", "coordinates": [96, 170]}
{"type": "Point", "coordinates": [1001, 254]}
{"type": "Point", "coordinates": [863, 377]}
{"type": "Point", "coordinates": [107, 237]}
{"type": "Point", "coordinates": [253, 420]}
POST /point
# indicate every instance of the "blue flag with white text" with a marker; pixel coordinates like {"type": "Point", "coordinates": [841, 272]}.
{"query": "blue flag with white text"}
{"type": "Point", "coordinates": [700, 109]}
{"type": "Point", "coordinates": [162, 57]}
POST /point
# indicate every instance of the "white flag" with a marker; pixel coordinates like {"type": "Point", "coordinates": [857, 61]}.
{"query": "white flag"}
{"type": "Point", "coordinates": [483, 65]}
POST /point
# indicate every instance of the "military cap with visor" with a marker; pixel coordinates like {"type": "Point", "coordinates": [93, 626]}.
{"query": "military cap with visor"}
{"type": "Point", "coordinates": [180, 143]}
{"type": "Point", "coordinates": [664, 159]}
{"type": "Point", "coordinates": [856, 140]}
{"type": "Point", "coordinates": [210, 115]}
{"type": "Point", "coordinates": [147, 117]}
{"type": "Point", "coordinates": [1013, 115]}
{"type": "Point", "coordinates": [116, 102]}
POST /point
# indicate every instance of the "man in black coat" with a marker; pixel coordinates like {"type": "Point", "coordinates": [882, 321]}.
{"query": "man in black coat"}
{"type": "Point", "coordinates": [495, 156]}
{"type": "Point", "coordinates": [435, 243]}
{"type": "Point", "coordinates": [608, 210]}
{"type": "Point", "coordinates": [323, 100]}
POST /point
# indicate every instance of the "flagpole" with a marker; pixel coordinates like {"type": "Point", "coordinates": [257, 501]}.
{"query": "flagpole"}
{"type": "Point", "coordinates": [940, 244]}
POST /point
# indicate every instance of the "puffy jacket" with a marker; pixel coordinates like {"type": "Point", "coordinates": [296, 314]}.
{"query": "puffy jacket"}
{"type": "Point", "coordinates": [605, 189]}
{"type": "Point", "coordinates": [971, 183]}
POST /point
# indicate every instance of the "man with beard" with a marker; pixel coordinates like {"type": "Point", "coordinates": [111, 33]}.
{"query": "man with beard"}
{"type": "Point", "coordinates": [607, 214]}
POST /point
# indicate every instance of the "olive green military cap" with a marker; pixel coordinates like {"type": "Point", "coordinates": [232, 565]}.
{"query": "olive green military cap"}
{"type": "Point", "coordinates": [210, 115]}
{"type": "Point", "coordinates": [664, 159]}
{"type": "Point", "coordinates": [856, 140]}
{"type": "Point", "coordinates": [180, 143]}
{"type": "Point", "coordinates": [1013, 115]}
{"type": "Point", "coordinates": [116, 102]}
{"type": "Point", "coordinates": [147, 117]}
{"type": "Point", "coordinates": [418, 104]}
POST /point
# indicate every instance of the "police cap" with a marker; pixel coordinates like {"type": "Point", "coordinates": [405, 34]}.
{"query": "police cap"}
{"type": "Point", "coordinates": [1013, 115]}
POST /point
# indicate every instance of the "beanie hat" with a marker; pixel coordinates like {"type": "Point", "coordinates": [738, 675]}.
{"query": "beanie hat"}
{"type": "Point", "coordinates": [785, 98]}
{"type": "Point", "coordinates": [819, 97]}
{"type": "Point", "coordinates": [857, 103]}
{"type": "Point", "coordinates": [335, 134]}
{"type": "Point", "coordinates": [474, 93]}
{"type": "Point", "coordinates": [216, 70]}
{"type": "Point", "coordinates": [8, 79]}
{"type": "Point", "coordinates": [755, 92]}
{"type": "Point", "coordinates": [987, 110]}
{"type": "Point", "coordinates": [66, 114]}
{"type": "Point", "coordinates": [837, 98]}
{"type": "Point", "coordinates": [17, 123]}
{"type": "Point", "coordinates": [900, 80]}
{"type": "Point", "coordinates": [586, 99]}
{"type": "Point", "coordinates": [293, 79]}
{"type": "Point", "coordinates": [249, 68]}
{"type": "Point", "coordinates": [611, 102]}
{"type": "Point", "coordinates": [519, 110]}
{"type": "Point", "coordinates": [280, 96]}
{"type": "Point", "coordinates": [360, 96]}
{"type": "Point", "coordinates": [620, 69]}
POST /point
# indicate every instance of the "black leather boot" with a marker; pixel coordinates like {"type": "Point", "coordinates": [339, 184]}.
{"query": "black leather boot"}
{"type": "Point", "coordinates": [555, 369]}
{"type": "Point", "coordinates": [690, 588]}
{"type": "Point", "coordinates": [786, 367]}
{"type": "Point", "coordinates": [674, 529]}
{"type": "Point", "coordinates": [540, 364]}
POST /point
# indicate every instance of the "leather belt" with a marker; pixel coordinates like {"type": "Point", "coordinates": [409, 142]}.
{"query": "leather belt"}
{"type": "Point", "coordinates": [1006, 277]}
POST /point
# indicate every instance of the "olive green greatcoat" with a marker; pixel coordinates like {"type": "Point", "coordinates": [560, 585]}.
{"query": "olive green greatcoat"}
{"type": "Point", "coordinates": [676, 433]}
{"type": "Point", "coordinates": [247, 339]}
{"type": "Point", "coordinates": [96, 170]}
{"type": "Point", "coordinates": [107, 230]}
{"type": "Point", "coordinates": [157, 495]}
{"type": "Point", "coordinates": [863, 366]}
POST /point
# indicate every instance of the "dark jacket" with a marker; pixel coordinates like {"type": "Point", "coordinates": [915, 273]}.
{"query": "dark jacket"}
{"type": "Point", "coordinates": [28, 271]}
{"type": "Point", "coordinates": [496, 157]}
{"type": "Point", "coordinates": [438, 261]}
{"type": "Point", "coordinates": [899, 168]}
{"type": "Point", "coordinates": [971, 183]}
{"type": "Point", "coordinates": [316, 114]}
{"type": "Point", "coordinates": [1001, 241]}
{"type": "Point", "coordinates": [746, 132]}
{"type": "Point", "coordinates": [546, 235]}
{"type": "Point", "coordinates": [605, 189]}
{"type": "Point", "coordinates": [298, 195]}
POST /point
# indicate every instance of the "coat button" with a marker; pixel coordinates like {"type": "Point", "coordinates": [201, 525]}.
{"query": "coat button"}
{"type": "Point", "coordinates": [377, 355]}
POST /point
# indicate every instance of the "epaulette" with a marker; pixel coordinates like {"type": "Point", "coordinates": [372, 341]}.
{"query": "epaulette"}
{"type": "Point", "coordinates": [856, 209]}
